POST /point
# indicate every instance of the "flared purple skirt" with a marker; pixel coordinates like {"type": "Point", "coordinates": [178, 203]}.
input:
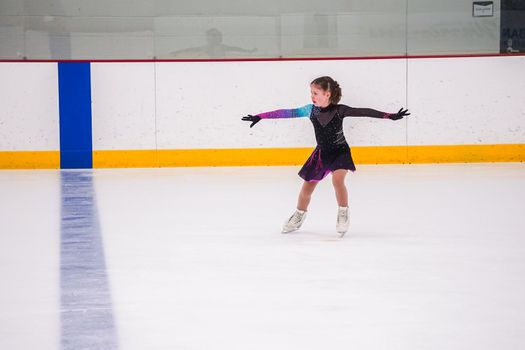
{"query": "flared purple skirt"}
{"type": "Point", "coordinates": [322, 162]}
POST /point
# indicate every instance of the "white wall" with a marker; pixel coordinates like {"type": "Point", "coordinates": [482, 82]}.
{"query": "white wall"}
{"type": "Point", "coordinates": [467, 101]}
{"type": "Point", "coordinates": [29, 107]}
{"type": "Point", "coordinates": [123, 109]}
{"type": "Point", "coordinates": [189, 105]}
{"type": "Point", "coordinates": [199, 105]}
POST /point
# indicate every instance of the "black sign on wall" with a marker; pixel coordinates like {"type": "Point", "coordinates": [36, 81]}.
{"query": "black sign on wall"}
{"type": "Point", "coordinates": [512, 28]}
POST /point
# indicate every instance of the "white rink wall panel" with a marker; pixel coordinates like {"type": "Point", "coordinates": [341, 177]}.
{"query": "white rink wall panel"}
{"type": "Point", "coordinates": [29, 107]}
{"type": "Point", "coordinates": [479, 100]}
{"type": "Point", "coordinates": [199, 105]}
{"type": "Point", "coordinates": [123, 109]}
{"type": "Point", "coordinates": [377, 84]}
{"type": "Point", "coordinates": [452, 101]}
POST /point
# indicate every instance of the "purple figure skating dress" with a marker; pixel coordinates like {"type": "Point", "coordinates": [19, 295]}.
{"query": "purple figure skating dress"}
{"type": "Point", "coordinates": [332, 151]}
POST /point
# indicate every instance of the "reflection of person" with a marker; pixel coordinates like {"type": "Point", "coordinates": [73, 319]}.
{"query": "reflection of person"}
{"type": "Point", "coordinates": [332, 154]}
{"type": "Point", "coordinates": [213, 48]}
{"type": "Point", "coordinates": [509, 47]}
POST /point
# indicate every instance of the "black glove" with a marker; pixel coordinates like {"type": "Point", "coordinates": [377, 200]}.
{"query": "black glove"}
{"type": "Point", "coordinates": [252, 118]}
{"type": "Point", "coordinates": [400, 114]}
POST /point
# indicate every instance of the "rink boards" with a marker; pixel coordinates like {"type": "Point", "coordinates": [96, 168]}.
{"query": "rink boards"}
{"type": "Point", "coordinates": [156, 114]}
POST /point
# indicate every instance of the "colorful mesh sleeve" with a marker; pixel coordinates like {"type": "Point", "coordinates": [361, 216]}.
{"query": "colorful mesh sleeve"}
{"type": "Point", "coordinates": [300, 112]}
{"type": "Point", "coordinates": [347, 111]}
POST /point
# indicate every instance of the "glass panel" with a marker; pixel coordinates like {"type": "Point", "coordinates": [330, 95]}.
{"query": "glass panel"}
{"type": "Point", "coordinates": [92, 8]}
{"type": "Point", "coordinates": [59, 37]}
{"type": "Point", "coordinates": [11, 37]}
{"type": "Point", "coordinates": [11, 8]}
{"type": "Point", "coordinates": [215, 37]}
{"type": "Point", "coordinates": [448, 27]}
{"type": "Point", "coordinates": [512, 26]}
{"type": "Point", "coordinates": [167, 29]}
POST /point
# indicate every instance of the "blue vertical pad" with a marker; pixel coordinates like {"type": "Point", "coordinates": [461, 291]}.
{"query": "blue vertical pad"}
{"type": "Point", "coordinates": [74, 91]}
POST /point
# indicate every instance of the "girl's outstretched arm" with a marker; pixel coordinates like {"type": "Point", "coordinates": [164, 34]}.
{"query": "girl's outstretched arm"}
{"type": "Point", "coordinates": [299, 112]}
{"type": "Point", "coordinates": [347, 111]}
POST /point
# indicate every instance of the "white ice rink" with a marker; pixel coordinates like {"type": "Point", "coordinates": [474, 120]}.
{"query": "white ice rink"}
{"type": "Point", "coordinates": [193, 258]}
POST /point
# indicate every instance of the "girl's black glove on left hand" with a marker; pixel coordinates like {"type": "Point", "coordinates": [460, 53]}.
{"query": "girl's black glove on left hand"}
{"type": "Point", "coordinates": [399, 115]}
{"type": "Point", "coordinates": [252, 118]}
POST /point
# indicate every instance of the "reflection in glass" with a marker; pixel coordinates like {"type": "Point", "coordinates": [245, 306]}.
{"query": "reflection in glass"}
{"type": "Point", "coordinates": [214, 48]}
{"type": "Point", "coordinates": [512, 26]}
{"type": "Point", "coordinates": [163, 29]}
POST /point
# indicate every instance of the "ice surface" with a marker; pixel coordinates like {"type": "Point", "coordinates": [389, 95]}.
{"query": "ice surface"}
{"type": "Point", "coordinates": [193, 258]}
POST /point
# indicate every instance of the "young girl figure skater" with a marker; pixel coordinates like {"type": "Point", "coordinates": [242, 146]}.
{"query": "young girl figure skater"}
{"type": "Point", "coordinates": [332, 153]}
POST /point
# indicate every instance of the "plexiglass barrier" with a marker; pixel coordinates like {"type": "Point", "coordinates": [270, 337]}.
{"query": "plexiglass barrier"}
{"type": "Point", "coordinates": [206, 29]}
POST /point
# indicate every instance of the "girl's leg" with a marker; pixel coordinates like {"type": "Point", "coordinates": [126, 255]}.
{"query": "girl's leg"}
{"type": "Point", "coordinates": [306, 194]}
{"type": "Point", "coordinates": [338, 180]}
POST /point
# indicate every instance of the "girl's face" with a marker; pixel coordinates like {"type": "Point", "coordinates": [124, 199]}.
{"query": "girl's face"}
{"type": "Point", "coordinates": [320, 97]}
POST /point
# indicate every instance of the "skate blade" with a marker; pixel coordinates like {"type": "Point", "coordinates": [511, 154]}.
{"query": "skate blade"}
{"type": "Point", "coordinates": [286, 231]}
{"type": "Point", "coordinates": [342, 233]}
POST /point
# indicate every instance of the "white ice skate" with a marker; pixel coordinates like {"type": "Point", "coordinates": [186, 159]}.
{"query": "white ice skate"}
{"type": "Point", "coordinates": [295, 221]}
{"type": "Point", "coordinates": [342, 220]}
